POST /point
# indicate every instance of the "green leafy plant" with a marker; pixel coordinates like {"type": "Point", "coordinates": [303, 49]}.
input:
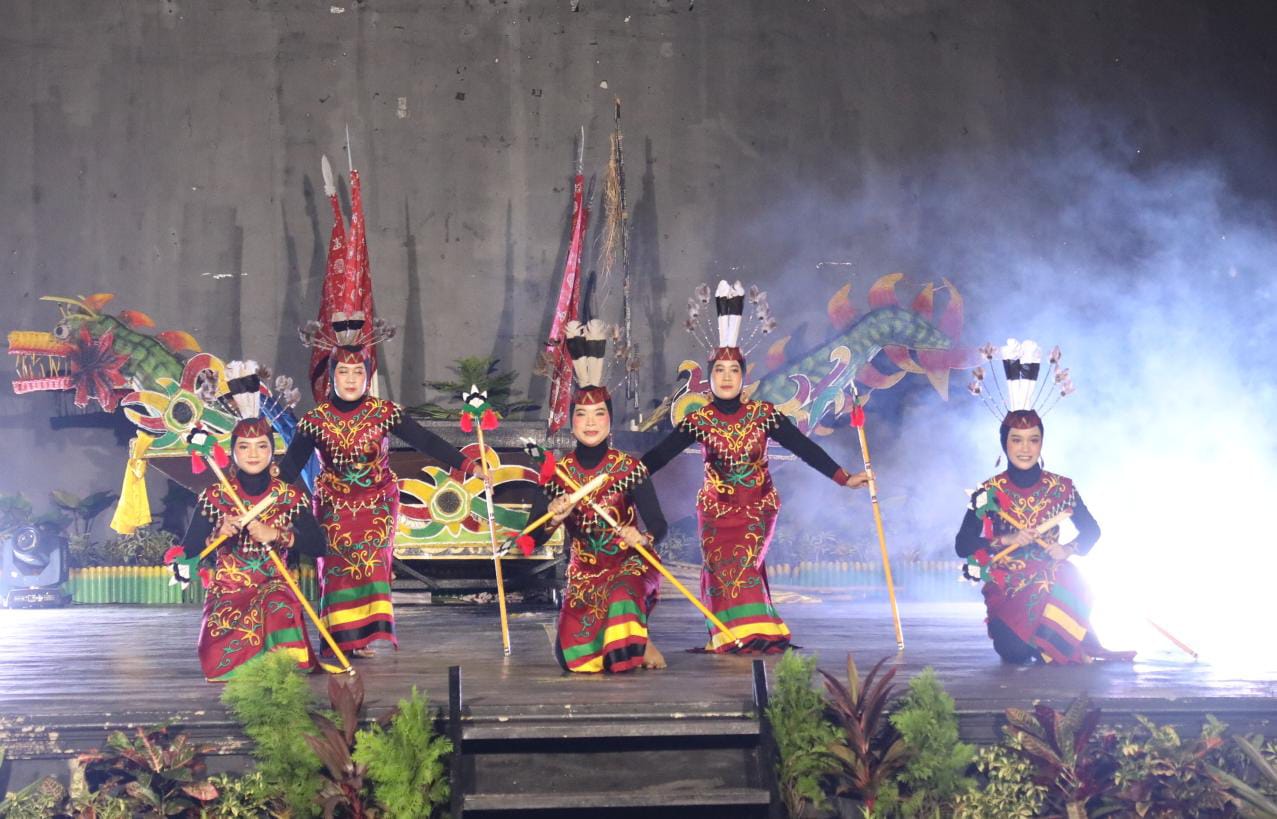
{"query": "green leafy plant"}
{"type": "Point", "coordinates": [803, 736]}
{"type": "Point", "coordinates": [15, 511]}
{"type": "Point", "coordinates": [1059, 747]}
{"type": "Point", "coordinates": [244, 797]}
{"type": "Point", "coordinates": [145, 547]}
{"type": "Point", "coordinates": [1160, 776]}
{"type": "Point", "coordinates": [39, 800]}
{"type": "Point", "coordinates": [271, 699]}
{"type": "Point", "coordinates": [406, 760]}
{"type": "Point", "coordinates": [156, 774]}
{"type": "Point", "coordinates": [343, 777]}
{"type": "Point", "coordinates": [1008, 792]}
{"type": "Point", "coordinates": [1258, 797]}
{"type": "Point", "coordinates": [481, 371]}
{"type": "Point", "coordinates": [869, 749]}
{"type": "Point", "coordinates": [934, 773]}
{"type": "Point", "coordinates": [84, 510]}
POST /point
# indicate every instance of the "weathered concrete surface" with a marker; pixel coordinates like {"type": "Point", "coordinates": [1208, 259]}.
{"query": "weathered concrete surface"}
{"type": "Point", "coordinates": [169, 152]}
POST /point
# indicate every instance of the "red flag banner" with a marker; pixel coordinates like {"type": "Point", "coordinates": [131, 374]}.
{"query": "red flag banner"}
{"type": "Point", "coordinates": [565, 311]}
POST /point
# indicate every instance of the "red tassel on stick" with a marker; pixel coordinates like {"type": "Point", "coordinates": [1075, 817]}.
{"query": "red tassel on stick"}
{"type": "Point", "coordinates": [220, 457]}
{"type": "Point", "coordinates": [857, 416]}
{"type": "Point", "coordinates": [173, 553]}
{"type": "Point", "coordinates": [526, 544]}
{"type": "Point", "coordinates": [488, 421]}
{"type": "Point", "coordinates": [467, 422]}
{"type": "Point", "coordinates": [987, 531]}
{"type": "Point", "coordinates": [197, 464]}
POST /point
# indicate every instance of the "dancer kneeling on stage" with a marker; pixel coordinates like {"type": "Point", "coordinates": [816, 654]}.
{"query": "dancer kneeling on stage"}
{"type": "Point", "coordinates": [610, 589]}
{"type": "Point", "coordinates": [737, 506]}
{"type": "Point", "coordinates": [1023, 526]}
{"type": "Point", "coordinates": [249, 608]}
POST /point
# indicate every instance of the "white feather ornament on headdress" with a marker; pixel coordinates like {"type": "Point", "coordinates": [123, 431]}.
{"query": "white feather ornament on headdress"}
{"type": "Point", "coordinates": [245, 386]}
{"type": "Point", "coordinates": [1026, 387]}
{"type": "Point", "coordinates": [587, 344]}
{"type": "Point", "coordinates": [729, 300]}
{"type": "Point", "coordinates": [729, 316]}
{"type": "Point", "coordinates": [329, 187]}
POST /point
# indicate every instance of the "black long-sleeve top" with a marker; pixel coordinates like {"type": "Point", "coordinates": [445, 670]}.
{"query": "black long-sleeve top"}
{"type": "Point", "coordinates": [643, 494]}
{"type": "Point", "coordinates": [786, 434]}
{"type": "Point", "coordinates": [969, 539]}
{"type": "Point", "coordinates": [412, 433]}
{"type": "Point", "coordinates": [308, 539]}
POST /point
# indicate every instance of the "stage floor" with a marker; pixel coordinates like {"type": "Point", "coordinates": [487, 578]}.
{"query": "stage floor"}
{"type": "Point", "coordinates": [77, 670]}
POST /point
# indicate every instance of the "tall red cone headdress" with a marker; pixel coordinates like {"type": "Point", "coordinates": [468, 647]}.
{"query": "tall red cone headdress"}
{"type": "Point", "coordinates": [346, 318]}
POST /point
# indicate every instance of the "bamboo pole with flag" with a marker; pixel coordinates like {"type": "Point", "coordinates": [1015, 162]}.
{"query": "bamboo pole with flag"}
{"type": "Point", "coordinates": [203, 446]}
{"type": "Point", "coordinates": [557, 361]}
{"type": "Point", "coordinates": [478, 415]}
{"type": "Point", "coordinates": [858, 423]}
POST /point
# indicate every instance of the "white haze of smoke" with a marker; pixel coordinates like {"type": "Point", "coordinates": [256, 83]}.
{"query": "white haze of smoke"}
{"type": "Point", "coordinates": [1157, 284]}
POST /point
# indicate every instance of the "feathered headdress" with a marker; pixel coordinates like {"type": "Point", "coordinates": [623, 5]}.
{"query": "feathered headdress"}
{"type": "Point", "coordinates": [1027, 394]}
{"type": "Point", "coordinates": [345, 323]}
{"type": "Point", "coordinates": [730, 306]}
{"type": "Point", "coordinates": [587, 345]}
{"type": "Point", "coordinates": [259, 410]}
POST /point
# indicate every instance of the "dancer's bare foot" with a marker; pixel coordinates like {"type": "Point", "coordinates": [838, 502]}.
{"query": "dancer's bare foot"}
{"type": "Point", "coordinates": [653, 658]}
{"type": "Point", "coordinates": [364, 653]}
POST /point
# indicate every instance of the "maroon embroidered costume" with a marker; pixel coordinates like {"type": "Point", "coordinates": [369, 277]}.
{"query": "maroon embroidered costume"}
{"type": "Point", "coordinates": [357, 504]}
{"type": "Point", "coordinates": [248, 607]}
{"type": "Point", "coordinates": [736, 510]}
{"type": "Point", "coordinates": [1036, 605]}
{"type": "Point", "coordinates": [610, 589]}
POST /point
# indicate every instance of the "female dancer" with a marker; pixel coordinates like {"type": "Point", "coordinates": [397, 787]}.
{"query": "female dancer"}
{"type": "Point", "coordinates": [1025, 523]}
{"type": "Point", "coordinates": [610, 589]}
{"type": "Point", "coordinates": [356, 493]}
{"type": "Point", "coordinates": [248, 608]}
{"type": "Point", "coordinates": [737, 505]}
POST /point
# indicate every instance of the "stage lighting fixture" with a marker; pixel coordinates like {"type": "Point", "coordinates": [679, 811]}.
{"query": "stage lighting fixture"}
{"type": "Point", "coordinates": [33, 568]}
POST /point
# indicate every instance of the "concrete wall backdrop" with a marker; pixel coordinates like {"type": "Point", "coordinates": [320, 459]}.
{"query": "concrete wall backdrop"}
{"type": "Point", "coordinates": [168, 151]}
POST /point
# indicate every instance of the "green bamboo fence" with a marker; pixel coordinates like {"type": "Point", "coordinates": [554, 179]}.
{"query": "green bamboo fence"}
{"type": "Point", "coordinates": [151, 586]}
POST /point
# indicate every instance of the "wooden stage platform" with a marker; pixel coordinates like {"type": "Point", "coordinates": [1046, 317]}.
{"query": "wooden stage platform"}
{"type": "Point", "coordinates": [69, 675]}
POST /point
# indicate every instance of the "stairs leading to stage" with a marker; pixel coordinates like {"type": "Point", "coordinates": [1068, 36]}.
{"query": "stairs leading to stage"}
{"type": "Point", "coordinates": [640, 761]}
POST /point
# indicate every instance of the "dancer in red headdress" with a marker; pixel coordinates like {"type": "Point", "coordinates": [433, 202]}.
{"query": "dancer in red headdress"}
{"type": "Point", "coordinates": [248, 607]}
{"type": "Point", "coordinates": [737, 505]}
{"type": "Point", "coordinates": [610, 589]}
{"type": "Point", "coordinates": [356, 494]}
{"type": "Point", "coordinates": [1025, 523]}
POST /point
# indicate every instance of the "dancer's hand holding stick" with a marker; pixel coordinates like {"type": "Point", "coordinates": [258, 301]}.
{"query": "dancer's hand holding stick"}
{"type": "Point", "coordinates": [636, 543]}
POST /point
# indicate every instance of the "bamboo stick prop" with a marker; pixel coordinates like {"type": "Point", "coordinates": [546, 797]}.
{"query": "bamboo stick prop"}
{"type": "Point", "coordinates": [476, 414]}
{"type": "Point", "coordinates": [858, 423]}
{"type": "Point", "coordinates": [252, 514]}
{"type": "Point", "coordinates": [1045, 526]}
{"type": "Point", "coordinates": [586, 489]}
{"type": "Point", "coordinates": [651, 559]}
{"type": "Point", "coordinates": [346, 667]}
{"type": "Point", "coordinates": [1178, 643]}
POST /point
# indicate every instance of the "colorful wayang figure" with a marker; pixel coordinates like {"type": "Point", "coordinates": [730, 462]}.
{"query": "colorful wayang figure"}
{"type": "Point", "coordinates": [248, 607]}
{"type": "Point", "coordinates": [737, 505]}
{"type": "Point", "coordinates": [356, 493]}
{"type": "Point", "coordinates": [610, 589]}
{"type": "Point", "coordinates": [1025, 523]}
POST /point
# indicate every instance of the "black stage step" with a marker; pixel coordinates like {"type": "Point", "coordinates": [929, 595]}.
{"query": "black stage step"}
{"type": "Point", "coordinates": [645, 761]}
